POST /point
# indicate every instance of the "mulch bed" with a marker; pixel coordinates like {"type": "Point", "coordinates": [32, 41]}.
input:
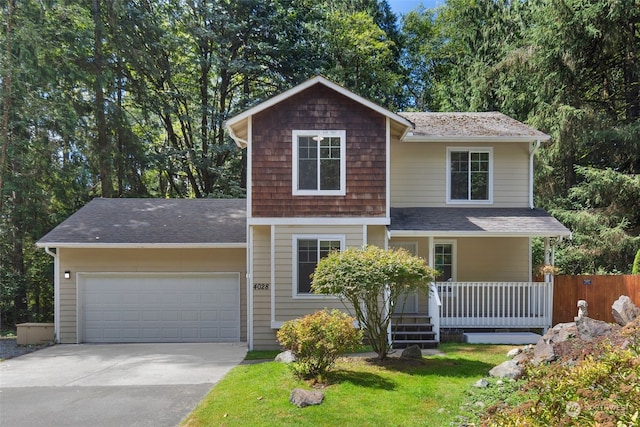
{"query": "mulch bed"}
{"type": "Point", "coordinates": [9, 348]}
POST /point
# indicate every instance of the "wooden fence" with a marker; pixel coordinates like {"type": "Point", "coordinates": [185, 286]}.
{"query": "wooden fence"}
{"type": "Point", "coordinates": [600, 292]}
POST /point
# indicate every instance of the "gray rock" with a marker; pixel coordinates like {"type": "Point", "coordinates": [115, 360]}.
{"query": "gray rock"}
{"type": "Point", "coordinates": [589, 328]}
{"type": "Point", "coordinates": [508, 369]}
{"type": "Point", "coordinates": [412, 352]}
{"type": "Point", "coordinates": [302, 398]}
{"type": "Point", "coordinates": [285, 357]}
{"type": "Point", "coordinates": [521, 358]}
{"type": "Point", "coordinates": [543, 352]}
{"type": "Point", "coordinates": [624, 310]}
{"type": "Point", "coordinates": [481, 383]}
{"type": "Point", "coordinates": [514, 352]}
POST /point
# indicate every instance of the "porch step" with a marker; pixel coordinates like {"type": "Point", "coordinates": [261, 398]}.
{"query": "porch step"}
{"type": "Point", "coordinates": [516, 338]}
{"type": "Point", "coordinates": [413, 329]}
{"type": "Point", "coordinates": [420, 343]}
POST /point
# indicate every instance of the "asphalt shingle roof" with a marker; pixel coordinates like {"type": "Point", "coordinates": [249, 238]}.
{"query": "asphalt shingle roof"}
{"type": "Point", "coordinates": [466, 125]}
{"type": "Point", "coordinates": [153, 221]}
{"type": "Point", "coordinates": [495, 221]}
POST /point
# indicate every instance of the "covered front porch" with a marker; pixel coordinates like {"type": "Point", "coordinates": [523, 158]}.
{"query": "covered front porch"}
{"type": "Point", "coordinates": [484, 260]}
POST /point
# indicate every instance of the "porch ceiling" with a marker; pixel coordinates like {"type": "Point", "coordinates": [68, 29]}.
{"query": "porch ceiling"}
{"type": "Point", "coordinates": [475, 222]}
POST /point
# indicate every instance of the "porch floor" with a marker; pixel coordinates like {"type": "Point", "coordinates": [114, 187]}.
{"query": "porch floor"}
{"type": "Point", "coordinates": [519, 338]}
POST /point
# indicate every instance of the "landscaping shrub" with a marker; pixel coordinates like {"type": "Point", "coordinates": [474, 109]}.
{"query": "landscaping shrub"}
{"type": "Point", "coordinates": [602, 389]}
{"type": "Point", "coordinates": [371, 280]}
{"type": "Point", "coordinates": [635, 269]}
{"type": "Point", "coordinates": [317, 340]}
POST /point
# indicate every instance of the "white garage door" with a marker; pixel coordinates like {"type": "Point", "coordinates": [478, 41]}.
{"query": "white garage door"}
{"type": "Point", "coordinates": [159, 308]}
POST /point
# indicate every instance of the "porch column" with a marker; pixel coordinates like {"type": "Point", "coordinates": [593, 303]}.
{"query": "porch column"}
{"type": "Point", "coordinates": [431, 254]}
{"type": "Point", "coordinates": [547, 276]}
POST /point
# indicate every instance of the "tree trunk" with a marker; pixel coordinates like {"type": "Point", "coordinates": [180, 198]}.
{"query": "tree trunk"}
{"type": "Point", "coordinates": [7, 99]}
{"type": "Point", "coordinates": [102, 142]}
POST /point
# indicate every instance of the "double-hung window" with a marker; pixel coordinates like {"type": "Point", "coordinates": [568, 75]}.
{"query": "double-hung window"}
{"type": "Point", "coordinates": [443, 254]}
{"type": "Point", "coordinates": [319, 163]}
{"type": "Point", "coordinates": [309, 250]}
{"type": "Point", "coordinates": [469, 175]}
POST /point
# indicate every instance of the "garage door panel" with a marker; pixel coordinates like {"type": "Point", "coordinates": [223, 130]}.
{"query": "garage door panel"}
{"type": "Point", "coordinates": [160, 308]}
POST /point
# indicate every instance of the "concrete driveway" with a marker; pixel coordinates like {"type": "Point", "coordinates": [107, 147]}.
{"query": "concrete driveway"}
{"type": "Point", "coordinates": [111, 384]}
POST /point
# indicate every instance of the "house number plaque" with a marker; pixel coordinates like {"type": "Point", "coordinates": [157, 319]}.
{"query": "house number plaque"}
{"type": "Point", "coordinates": [261, 286]}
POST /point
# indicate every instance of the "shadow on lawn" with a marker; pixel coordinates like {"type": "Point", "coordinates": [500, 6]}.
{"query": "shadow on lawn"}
{"type": "Point", "coordinates": [457, 367]}
{"type": "Point", "coordinates": [361, 379]}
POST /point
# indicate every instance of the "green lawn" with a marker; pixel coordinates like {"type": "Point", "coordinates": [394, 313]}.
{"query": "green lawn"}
{"type": "Point", "coordinates": [428, 392]}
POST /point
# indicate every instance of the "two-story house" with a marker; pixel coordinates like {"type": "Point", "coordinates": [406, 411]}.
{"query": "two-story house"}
{"type": "Point", "coordinates": [327, 170]}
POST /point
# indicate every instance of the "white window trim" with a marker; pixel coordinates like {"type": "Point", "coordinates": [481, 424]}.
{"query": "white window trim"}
{"type": "Point", "coordinates": [448, 173]}
{"type": "Point", "coordinates": [342, 134]}
{"type": "Point", "coordinates": [294, 258]}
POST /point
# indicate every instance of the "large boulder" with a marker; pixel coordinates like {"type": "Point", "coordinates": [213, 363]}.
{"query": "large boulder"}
{"type": "Point", "coordinates": [302, 398]}
{"type": "Point", "coordinates": [286, 357]}
{"type": "Point", "coordinates": [624, 310]}
{"type": "Point", "coordinates": [412, 352]}
{"type": "Point", "coordinates": [591, 328]}
{"type": "Point", "coordinates": [508, 369]}
{"type": "Point", "coordinates": [544, 350]}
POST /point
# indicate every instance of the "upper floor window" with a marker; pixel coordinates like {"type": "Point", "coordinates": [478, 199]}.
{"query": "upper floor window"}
{"type": "Point", "coordinates": [309, 250]}
{"type": "Point", "coordinates": [319, 166]}
{"type": "Point", "coordinates": [469, 175]}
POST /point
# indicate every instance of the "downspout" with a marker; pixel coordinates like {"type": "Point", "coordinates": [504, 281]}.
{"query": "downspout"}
{"type": "Point", "coordinates": [56, 293]}
{"type": "Point", "coordinates": [532, 152]}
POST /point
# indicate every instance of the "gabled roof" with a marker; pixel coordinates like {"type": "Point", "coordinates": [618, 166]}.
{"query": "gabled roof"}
{"type": "Point", "coordinates": [232, 122]}
{"type": "Point", "coordinates": [489, 222]}
{"type": "Point", "coordinates": [461, 127]}
{"type": "Point", "coordinates": [153, 223]}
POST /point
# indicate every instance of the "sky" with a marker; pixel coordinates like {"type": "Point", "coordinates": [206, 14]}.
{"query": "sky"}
{"type": "Point", "coordinates": [402, 7]}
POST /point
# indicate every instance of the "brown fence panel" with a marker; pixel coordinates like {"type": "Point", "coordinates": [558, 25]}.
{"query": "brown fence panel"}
{"type": "Point", "coordinates": [600, 292]}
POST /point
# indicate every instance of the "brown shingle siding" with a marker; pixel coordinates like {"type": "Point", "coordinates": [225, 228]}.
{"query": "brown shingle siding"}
{"type": "Point", "coordinates": [318, 108]}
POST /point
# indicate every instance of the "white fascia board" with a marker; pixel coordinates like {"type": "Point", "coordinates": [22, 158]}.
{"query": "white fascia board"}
{"type": "Point", "coordinates": [463, 139]}
{"type": "Point", "coordinates": [307, 84]}
{"type": "Point", "coordinates": [241, 143]}
{"type": "Point", "coordinates": [427, 233]}
{"type": "Point", "coordinates": [143, 245]}
{"type": "Point", "coordinates": [320, 221]}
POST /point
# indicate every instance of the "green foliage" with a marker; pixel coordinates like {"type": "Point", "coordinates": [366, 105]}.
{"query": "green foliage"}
{"type": "Point", "coordinates": [599, 390]}
{"type": "Point", "coordinates": [317, 340]}
{"type": "Point", "coordinates": [371, 280]}
{"type": "Point", "coordinates": [361, 56]}
{"type": "Point", "coordinates": [601, 211]}
{"type": "Point", "coordinates": [636, 264]}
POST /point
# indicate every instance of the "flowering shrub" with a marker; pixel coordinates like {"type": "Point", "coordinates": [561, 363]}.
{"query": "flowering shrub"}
{"type": "Point", "coordinates": [317, 340]}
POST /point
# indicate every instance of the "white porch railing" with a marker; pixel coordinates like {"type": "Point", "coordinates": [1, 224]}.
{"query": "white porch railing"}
{"type": "Point", "coordinates": [494, 304]}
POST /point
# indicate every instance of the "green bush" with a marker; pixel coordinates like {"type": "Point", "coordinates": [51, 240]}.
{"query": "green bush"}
{"type": "Point", "coordinates": [602, 389]}
{"type": "Point", "coordinates": [636, 264]}
{"type": "Point", "coordinates": [317, 340]}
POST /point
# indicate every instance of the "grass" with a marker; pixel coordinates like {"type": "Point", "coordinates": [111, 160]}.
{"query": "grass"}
{"type": "Point", "coordinates": [402, 393]}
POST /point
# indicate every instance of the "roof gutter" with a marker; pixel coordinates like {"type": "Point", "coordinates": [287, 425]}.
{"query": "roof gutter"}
{"type": "Point", "coordinates": [454, 233]}
{"type": "Point", "coordinates": [56, 292]}
{"type": "Point", "coordinates": [532, 152]}
{"type": "Point", "coordinates": [87, 245]}
{"type": "Point", "coordinates": [409, 137]}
